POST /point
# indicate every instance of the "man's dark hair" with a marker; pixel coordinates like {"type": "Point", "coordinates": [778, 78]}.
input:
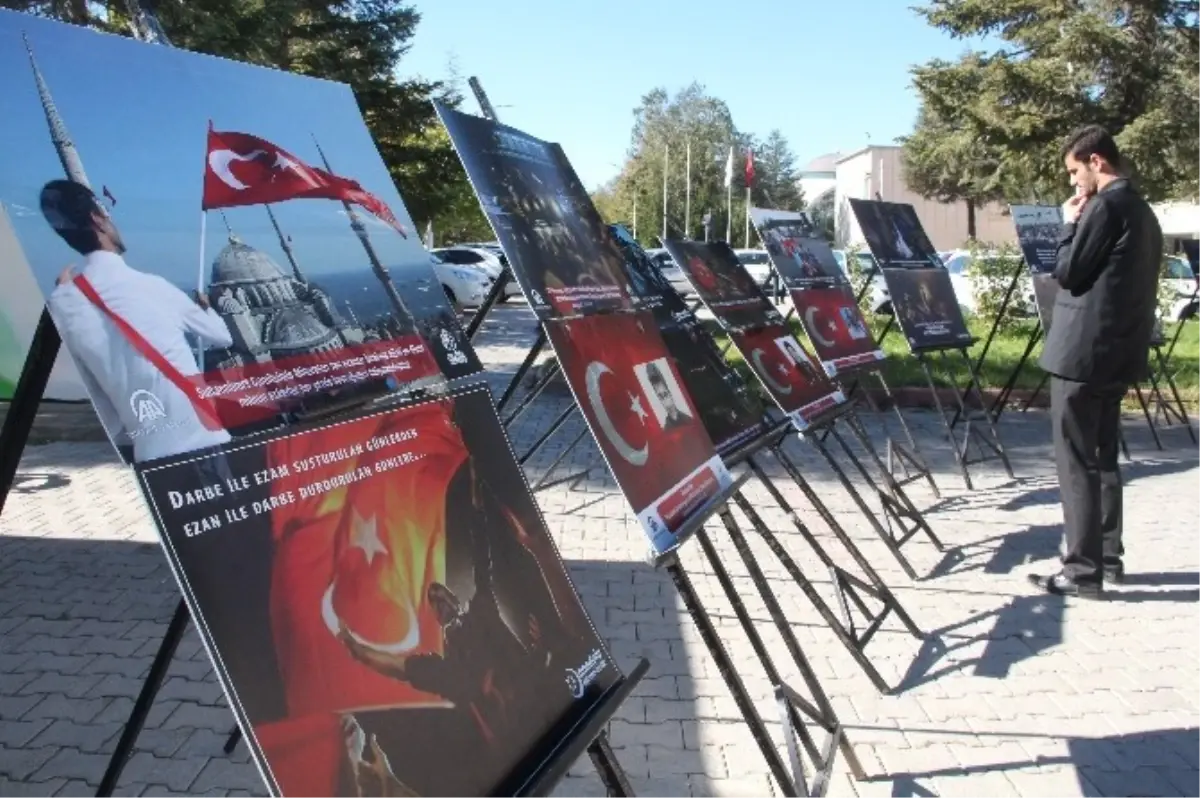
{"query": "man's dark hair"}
{"type": "Point", "coordinates": [655, 375]}
{"type": "Point", "coordinates": [69, 207]}
{"type": "Point", "coordinates": [1091, 140]}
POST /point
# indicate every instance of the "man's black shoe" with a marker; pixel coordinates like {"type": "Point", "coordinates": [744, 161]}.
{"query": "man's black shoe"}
{"type": "Point", "coordinates": [1062, 585]}
{"type": "Point", "coordinates": [1115, 574]}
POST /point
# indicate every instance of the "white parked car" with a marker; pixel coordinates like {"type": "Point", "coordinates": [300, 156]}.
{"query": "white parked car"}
{"type": "Point", "coordinates": [465, 287]}
{"type": "Point", "coordinates": [1178, 274]}
{"type": "Point", "coordinates": [669, 269]}
{"type": "Point", "coordinates": [488, 258]}
{"type": "Point", "coordinates": [758, 263]}
{"type": "Point", "coordinates": [958, 263]}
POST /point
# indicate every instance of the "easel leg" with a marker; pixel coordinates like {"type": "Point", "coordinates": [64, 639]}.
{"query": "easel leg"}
{"type": "Point", "coordinates": [974, 386]}
{"type": "Point", "coordinates": [22, 410]}
{"type": "Point", "coordinates": [885, 593]}
{"type": "Point", "coordinates": [741, 697]}
{"type": "Point", "coordinates": [884, 534]}
{"type": "Point", "coordinates": [822, 713]}
{"type": "Point", "coordinates": [1001, 400]}
{"type": "Point", "coordinates": [145, 699]}
{"type": "Point", "coordinates": [526, 364]}
{"type": "Point", "coordinates": [616, 783]}
{"type": "Point", "coordinates": [960, 456]}
{"type": "Point", "coordinates": [1149, 419]}
{"type": "Point", "coordinates": [912, 455]}
{"type": "Point", "coordinates": [991, 336]}
{"type": "Point", "coordinates": [895, 500]}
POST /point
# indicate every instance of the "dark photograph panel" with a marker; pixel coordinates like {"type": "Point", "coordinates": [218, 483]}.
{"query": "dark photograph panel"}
{"type": "Point", "coordinates": [894, 234]}
{"type": "Point", "coordinates": [723, 283]}
{"type": "Point", "coordinates": [927, 309]}
{"type": "Point", "coordinates": [380, 595]}
{"type": "Point", "coordinates": [560, 250]}
{"type": "Point", "coordinates": [1038, 229]}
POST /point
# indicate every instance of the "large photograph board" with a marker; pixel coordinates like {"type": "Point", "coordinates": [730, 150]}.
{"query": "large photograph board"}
{"type": "Point", "coordinates": [648, 428]}
{"type": "Point", "coordinates": [731, 414]}
{"type": "Point", "coordinates": [894, 234]}
{"type": "Point", "coordinates": [927, 308]}
{"type": "Point", "coordinates": [380, 596]}
{"type": "Point", "coordinates": [243, 252]}
{"type": "Point", "coordinates": [558, 247]}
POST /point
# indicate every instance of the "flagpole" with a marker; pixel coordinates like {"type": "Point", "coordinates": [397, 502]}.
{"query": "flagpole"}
{"type": "Point", "coordinates": [729, 213]}
{"type": "Point", "coordinates": [687, 210]}
{"type": "Point", "coordinates": [747, 217]}
{"type": "Point", "coordinates": [200, 281]}
{"type": "Point", "coordinates": [666, 172]}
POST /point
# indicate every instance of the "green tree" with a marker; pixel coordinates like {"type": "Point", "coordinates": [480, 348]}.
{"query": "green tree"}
{"type": "Point", "coordinates": [823, 213]}
{"type": "Point", "coordinates": [665, 128]}
{"type": "Point", "coordinates": [991, 123]}
{"type": "Point", "coordinates": [775, 183]}
{"type": "Point", "coordinates": [357, 42]}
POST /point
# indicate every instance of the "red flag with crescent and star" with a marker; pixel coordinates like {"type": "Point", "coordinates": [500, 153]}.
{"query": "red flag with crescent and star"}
{"type": "Point", "coordinates": [835, 325]}
{"type": "Point", "coordinates": [785, 369]}
{"type": "Point", "coordinates": [631, 393]}
{"type": "Point", "coordinates": [240, 169]}
{"type": "Point", "coordinates": [361, 555]}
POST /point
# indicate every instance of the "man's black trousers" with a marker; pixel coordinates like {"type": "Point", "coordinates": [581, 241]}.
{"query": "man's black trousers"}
{"type": "Point", "coordinates": [1087, 424]}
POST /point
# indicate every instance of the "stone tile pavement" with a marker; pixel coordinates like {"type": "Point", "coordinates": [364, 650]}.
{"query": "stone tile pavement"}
{"type": "Point", "coordinates": [1010, 693]}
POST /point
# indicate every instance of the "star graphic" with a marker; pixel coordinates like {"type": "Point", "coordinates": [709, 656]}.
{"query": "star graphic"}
{"type": "Point", "coordinates": [282, 162]}
{"type": "Point", "coordinates": [832, 325]}
{"type": "Point", "coordinates": [783, 369]}
{"type": "Point", "coordinates": [364, 535]}
{"type": "Point", "coordinates": [635, 404]}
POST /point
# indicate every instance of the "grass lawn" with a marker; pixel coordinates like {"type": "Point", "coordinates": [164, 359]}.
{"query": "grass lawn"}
{"type": "Point", "coordinates": [902, 369]}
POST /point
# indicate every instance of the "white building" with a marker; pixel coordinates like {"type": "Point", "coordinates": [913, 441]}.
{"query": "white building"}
{"type": "Point", "coordinates": [818, 176]}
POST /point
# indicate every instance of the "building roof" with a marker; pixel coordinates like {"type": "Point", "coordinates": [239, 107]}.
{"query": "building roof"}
{"type": "Point", "coordinates": [868, 148]}
{"type": "Point", "coordinates": [822, 163]}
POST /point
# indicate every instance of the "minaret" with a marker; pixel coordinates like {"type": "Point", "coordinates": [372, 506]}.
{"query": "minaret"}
{"type": "Point", "coordinates": [360, 230]}
{"type": "Point", "coordinates": [67, 153]}
{"type": "Point", "coordinates": [286, 244]}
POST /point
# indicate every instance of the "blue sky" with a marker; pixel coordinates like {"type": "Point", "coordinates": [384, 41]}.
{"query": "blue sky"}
{"type": "Point", "coordinates": [138, 115]}
{"type": "Point", "coordinates": [830, 75]}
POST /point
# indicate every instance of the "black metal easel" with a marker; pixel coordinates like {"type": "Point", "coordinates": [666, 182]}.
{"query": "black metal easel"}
{"type": "Point", "coordinates": [794, 709]}
{"type": "Point", "coordinates": [985, 441]}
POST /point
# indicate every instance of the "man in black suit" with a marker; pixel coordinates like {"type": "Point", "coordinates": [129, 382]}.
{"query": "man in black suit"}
{"type": "Point", "coordinates": [1109, 256]}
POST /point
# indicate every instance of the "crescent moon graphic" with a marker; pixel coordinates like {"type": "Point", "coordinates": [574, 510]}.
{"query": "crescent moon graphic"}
{"type": "Point", "coordinates": [812, 328]}
{"type": "Point", "coordinates": [765, 373]}
{"type": "Point", "coordinates": [219, 160]}
{"type": "Point", "coordinates": [408, 643]}
{"type": "Point", "coordinates": [637, 457]}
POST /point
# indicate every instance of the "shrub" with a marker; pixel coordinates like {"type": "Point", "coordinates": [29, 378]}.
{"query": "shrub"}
{"type": "Point", "coordinates": [990, 273]}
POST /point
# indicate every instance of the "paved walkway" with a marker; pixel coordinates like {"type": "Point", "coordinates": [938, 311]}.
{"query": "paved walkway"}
{"type": "Point", "coordinates": [1010, 693]}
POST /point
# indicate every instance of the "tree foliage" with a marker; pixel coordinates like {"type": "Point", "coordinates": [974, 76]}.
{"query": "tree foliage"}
{"type": "Point", "coordinates": [991, 123]}
{"type": "Point", "coordinates": [665, 128]}
{"type": "Point", "coordinates": [357, 42]}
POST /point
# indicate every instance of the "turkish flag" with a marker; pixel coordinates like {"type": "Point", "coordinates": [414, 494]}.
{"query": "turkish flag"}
{"type": "Point", "coordinates": [749, 167]}
{"type": "Point", "coordinates": [240, 169]}
{"type": "Point", "coordinates": [835, 326]}
{"type": "Point", "coordinates": [360, 555]}
{"type": "Point", "coordinates": [306, 754]}
{"type": "Point", "coordinates": [784, 368]}
{"type": "Point", "coordinates": [631, 392]}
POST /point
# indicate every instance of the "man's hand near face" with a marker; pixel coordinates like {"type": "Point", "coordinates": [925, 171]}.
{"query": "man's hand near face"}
{"type": "Point", "coordinates": [1073, 207]}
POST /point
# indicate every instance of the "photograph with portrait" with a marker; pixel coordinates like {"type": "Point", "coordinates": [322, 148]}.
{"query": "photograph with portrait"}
{"type": "Point", "coordinates": [649, 430]}
{"type": "Point", "coordinates": [731, 413]}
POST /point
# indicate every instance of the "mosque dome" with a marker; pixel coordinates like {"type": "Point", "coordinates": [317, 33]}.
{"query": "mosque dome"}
{"type": "Point", "coordinates": [296, 328]}
{"type": "Point", "coordinates": [240, 263]}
